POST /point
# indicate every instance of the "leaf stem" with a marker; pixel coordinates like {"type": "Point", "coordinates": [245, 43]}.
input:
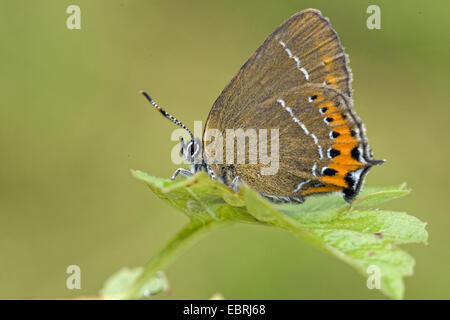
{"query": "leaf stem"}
{"type": "Point", "coordinates": [186, 237]}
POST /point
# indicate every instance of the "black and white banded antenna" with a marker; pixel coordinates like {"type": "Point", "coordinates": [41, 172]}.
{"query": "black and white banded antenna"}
{"type": "Point", "coordinates": [165, 114]}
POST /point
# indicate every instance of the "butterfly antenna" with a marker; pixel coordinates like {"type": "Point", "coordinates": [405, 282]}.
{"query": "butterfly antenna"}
{"type": "Point", "coordinates": [167, 115]}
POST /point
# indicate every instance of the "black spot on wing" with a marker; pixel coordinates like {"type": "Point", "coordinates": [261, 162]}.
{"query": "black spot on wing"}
{"type": "Point", "coordinates": [328, 172]}
{"type": "Point", "coordinates": [333, 153]}
{"type": "Point", "coordinates": [355, 153]}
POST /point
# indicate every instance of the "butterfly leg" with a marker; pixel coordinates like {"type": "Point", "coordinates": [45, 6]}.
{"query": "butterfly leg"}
{"type": "Point", "coordinates": [235, 183]}
{"type": "Point", "coordinates": [183, 172]}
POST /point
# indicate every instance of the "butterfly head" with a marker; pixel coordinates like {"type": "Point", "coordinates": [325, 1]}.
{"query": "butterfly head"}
{"type": "Point", "coordinates": [191, 151]}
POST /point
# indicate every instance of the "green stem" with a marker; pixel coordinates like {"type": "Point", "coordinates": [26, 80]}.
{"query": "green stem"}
{"type": "Point", "coordinates": [182, 240]}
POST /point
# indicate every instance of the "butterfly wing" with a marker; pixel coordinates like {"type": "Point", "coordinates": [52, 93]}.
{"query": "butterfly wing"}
{"type": "Point", "coordinates": [304, 49]}
{"type": "Point", "coordinates": [297, 82]}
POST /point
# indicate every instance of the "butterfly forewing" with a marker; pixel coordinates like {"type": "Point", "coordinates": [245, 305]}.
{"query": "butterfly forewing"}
{"type": "Point", "coordinates": [304, 49]}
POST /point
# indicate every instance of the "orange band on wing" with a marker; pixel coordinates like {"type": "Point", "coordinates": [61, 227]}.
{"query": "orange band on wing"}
{"type": "Point", "coordinates": [343, 168]}
{"type": "Point", "coordinates": [331, 80]}
{"type": "Point", "coordinates": [337, 120]}
{"type": "Point", "coordinates": [327, 188]}
{"type": "Point", "coordinates": [328, 108]}
{"type": "Point", "coordinates": [344, 135]}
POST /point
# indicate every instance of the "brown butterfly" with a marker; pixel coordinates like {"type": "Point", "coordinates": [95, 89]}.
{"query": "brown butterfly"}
{"type": "Point", "coordinates": [298, 83]}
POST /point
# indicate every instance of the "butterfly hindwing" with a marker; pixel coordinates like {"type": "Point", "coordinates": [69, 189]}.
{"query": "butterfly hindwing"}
{"type": "Point", "coordinates": [318, 135]}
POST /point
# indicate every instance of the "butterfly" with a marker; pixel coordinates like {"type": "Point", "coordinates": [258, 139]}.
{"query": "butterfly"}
{"type": "Point", "coordinates": [298, 82]}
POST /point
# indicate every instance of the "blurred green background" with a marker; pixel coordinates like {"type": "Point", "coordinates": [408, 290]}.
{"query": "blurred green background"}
{"type": "Point", "coordinates": [72, 125]}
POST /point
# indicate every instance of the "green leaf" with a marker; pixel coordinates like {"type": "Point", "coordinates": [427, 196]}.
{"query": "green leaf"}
{"type": "Point", "coordinates": [359, 234]}
{"type": "Point", "coordinates": [199, 197]}
{"type": "Point", "coordinates": [361, 238]}
{"type": "Point", "coordinates": [372, 197]}
{"type": "Point", "coordinates": [124, 279]}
